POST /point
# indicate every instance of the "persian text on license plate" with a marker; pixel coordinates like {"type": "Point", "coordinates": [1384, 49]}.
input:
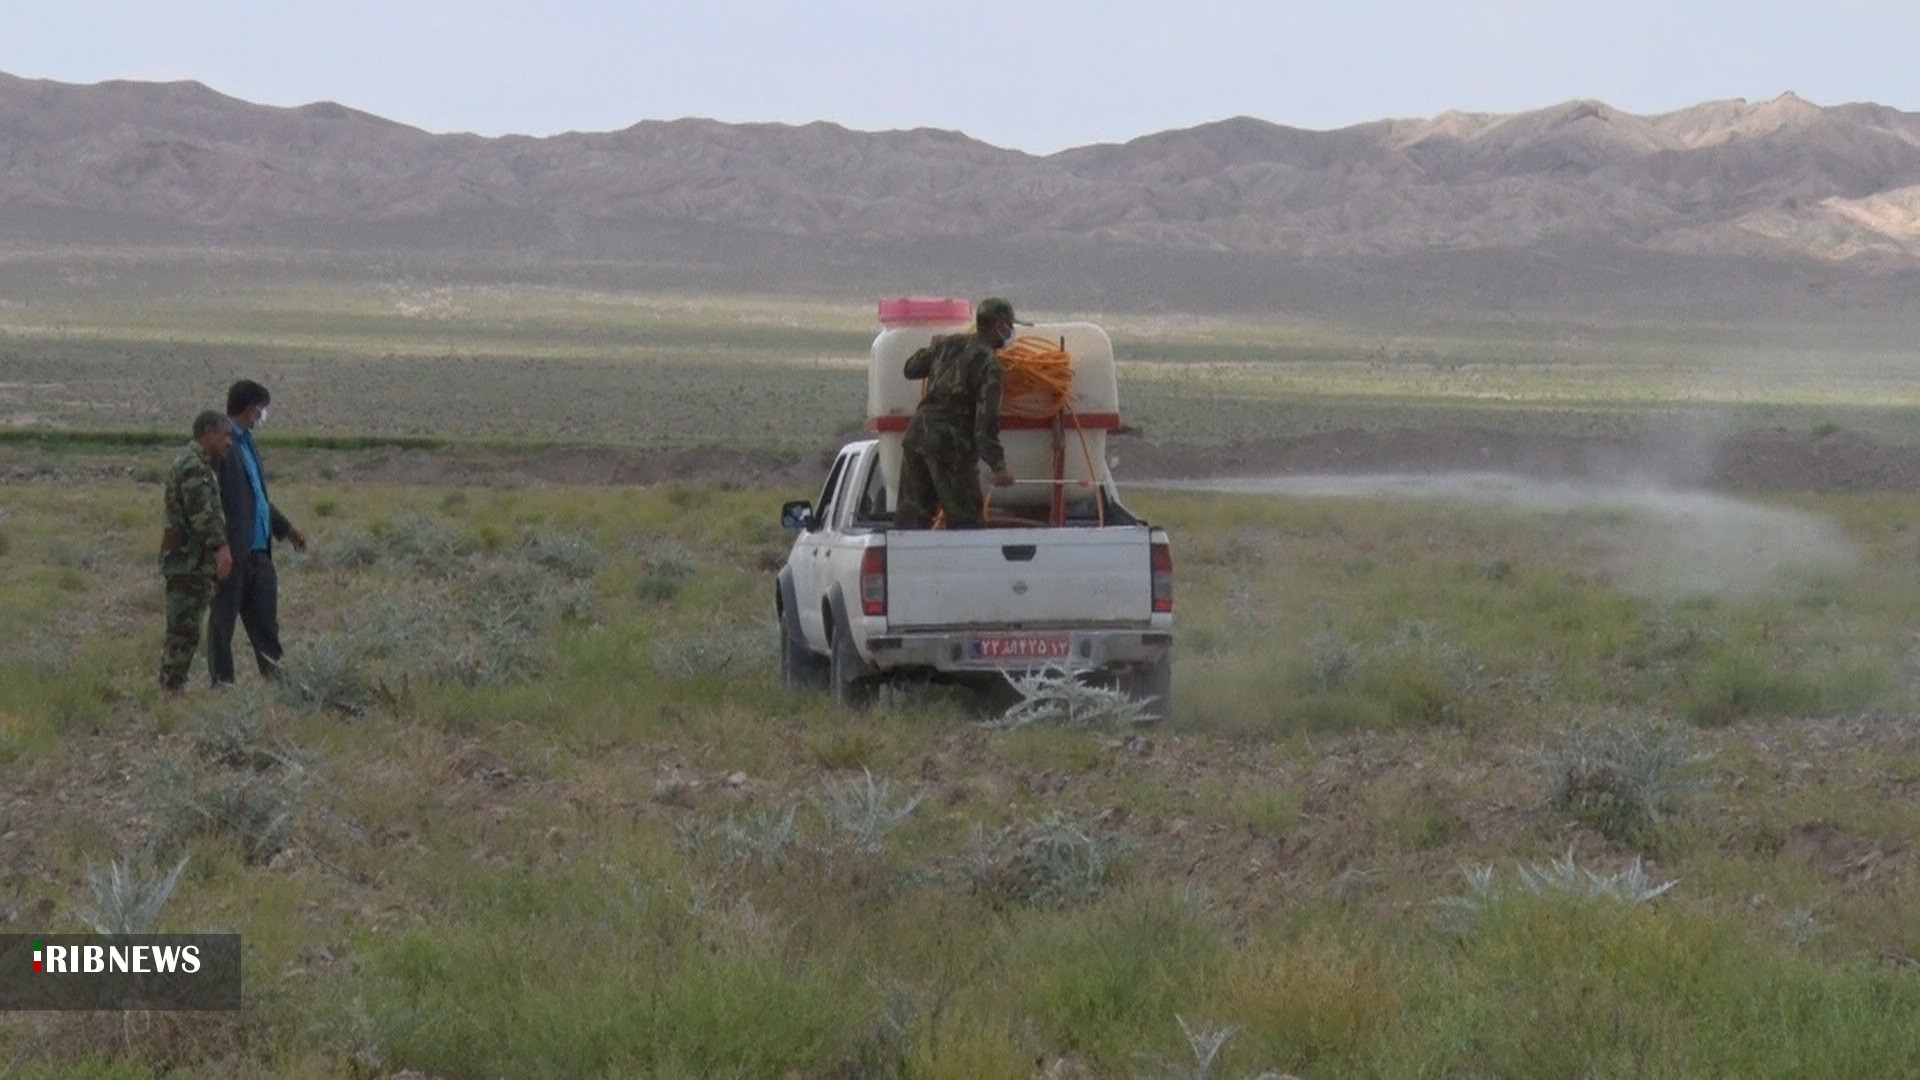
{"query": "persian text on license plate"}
{"type": "Point", "coordinates": [1023, 647]}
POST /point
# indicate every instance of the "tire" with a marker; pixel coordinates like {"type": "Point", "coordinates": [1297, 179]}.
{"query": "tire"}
{"type": "Point", "coordinates": [846, 672]}
{"type": "Point", "coordinates": [1152, 686]}
{"type": "Point", "coordinates": [800, 669]}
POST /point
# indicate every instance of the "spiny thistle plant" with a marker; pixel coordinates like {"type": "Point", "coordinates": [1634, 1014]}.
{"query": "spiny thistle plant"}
{"type": "Point", "coordinates": [328, 675]}
{"type": "Point", "coordinates": [127, 900]}
{"type": "Point", "coordinates": [257, 806]}
{"type": "Point", "coordinates": [1560, 878]}
{"type": "Point", "coordinates": [1626, 780]}
{"type": "Point", "coordinates": [1205, 1044]}
{"type": "Point", "coordinates": [425, 545]}
{"type": "Point", "coordinates": [863, 811]}
{"type": "Point", "coordinates": [1049, 861]}
{"type": "Point", "coordinates": [1056, 696]}
{"type": "Point", "coordinates": [1332, 662]}
{"type": "Point", "coordinates": [762, 838]}
{"type": "Point", "coordinates": [569, 554]}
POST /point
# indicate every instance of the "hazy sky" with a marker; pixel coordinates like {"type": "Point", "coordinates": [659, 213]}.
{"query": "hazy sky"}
{"type": "Point", "coordinates": [1036, 75]}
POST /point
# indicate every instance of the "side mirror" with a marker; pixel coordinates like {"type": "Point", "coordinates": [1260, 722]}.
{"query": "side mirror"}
{"type": "Point", "coordinates": [796, 516]}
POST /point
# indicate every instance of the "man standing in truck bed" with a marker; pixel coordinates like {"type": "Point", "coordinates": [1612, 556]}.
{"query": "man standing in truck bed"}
{"type": "Point", "coordinates": [957, 423]}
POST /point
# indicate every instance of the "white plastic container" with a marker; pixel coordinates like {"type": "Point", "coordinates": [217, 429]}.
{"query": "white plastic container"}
{"type": "Point", "coordinates": [1036, 451]}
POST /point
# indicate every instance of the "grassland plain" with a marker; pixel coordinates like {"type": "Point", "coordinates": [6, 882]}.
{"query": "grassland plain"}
{"type": "Point", "coordinates": [95, 344]}
{"type": "Point", "coordinates": [1444, 795]}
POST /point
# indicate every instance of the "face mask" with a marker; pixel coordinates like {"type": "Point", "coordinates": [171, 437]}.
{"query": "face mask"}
{"type": "Point", "coordinates": [1008, 339]}
{"type": "Point", "coordinates": [263, 417]}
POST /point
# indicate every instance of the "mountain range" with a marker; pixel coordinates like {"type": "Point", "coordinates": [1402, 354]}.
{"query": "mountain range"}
{"type": "Point", "coordinates": [1786, 186]}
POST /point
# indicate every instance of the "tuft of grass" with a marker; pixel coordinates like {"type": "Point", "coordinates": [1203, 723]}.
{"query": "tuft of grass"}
{"type": "Point", "coordinates": [1313, 1005]}
{"type": "Point", "coordinates": [665, 567]}
{"type": "Point", "coordinates": [842, 748]}
{"type": "Point", "coordinates": [1738, 684]}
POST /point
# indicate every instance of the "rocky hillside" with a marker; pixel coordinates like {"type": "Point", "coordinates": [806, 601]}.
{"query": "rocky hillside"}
{"type": "Point", "coordinates": [1781, 177]}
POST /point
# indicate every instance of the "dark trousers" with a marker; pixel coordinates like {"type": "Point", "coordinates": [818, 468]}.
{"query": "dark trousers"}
{"type": "Point", "coordinates": [250, 594]}
{"type": "Point", "coordinates": [928, 482]}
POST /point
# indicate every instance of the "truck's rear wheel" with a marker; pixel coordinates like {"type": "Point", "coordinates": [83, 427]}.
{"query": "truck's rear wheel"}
{"type": "Point", "coordinates": [846, 672]}
{"type": "Point", "coordinates": [800, 669]}
{"type": "Point", "coordinates": [1152, 686]}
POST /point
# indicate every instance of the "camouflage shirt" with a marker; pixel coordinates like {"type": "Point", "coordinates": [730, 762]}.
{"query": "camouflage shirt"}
{"type": "Point", "coordinates": [959, 418]}
{"type": "Point", "coordinates": [196, 527]}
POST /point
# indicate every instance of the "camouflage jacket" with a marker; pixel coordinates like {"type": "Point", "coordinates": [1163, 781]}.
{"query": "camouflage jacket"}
{"type": "Point", "coordinates": [959, 418]}
{"type": "Point", "coordinates": [196, 527]}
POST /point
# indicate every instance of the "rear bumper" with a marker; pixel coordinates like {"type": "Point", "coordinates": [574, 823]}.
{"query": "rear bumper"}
{"type": "Point", "coordinates": [958, 651]}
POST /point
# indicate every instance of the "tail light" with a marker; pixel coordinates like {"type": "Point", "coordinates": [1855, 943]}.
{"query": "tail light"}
{"type": "Point", "coordinates": [1162, 577]}
{"type": "Point", "coordinates": [873, 582]}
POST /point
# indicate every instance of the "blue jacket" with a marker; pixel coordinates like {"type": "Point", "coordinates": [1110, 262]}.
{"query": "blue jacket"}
{"type": "Point", "coordinates": [236, 498]}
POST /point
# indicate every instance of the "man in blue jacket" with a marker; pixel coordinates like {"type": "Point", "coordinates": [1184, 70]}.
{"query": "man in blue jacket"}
{"type": "Point", "coordinates": [251, 593]}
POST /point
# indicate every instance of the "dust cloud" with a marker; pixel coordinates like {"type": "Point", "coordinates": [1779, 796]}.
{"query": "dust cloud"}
{"type": "Point", "coordinates": [1651, 538]}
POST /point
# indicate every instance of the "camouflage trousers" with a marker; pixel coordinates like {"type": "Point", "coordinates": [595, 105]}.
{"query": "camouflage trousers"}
{"type": "Point", "coordinates": [930, 480]}
{"type": "Point", "coordinates": [186, 607]}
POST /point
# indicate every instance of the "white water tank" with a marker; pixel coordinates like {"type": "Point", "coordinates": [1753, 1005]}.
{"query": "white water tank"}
{"type": "Point", "coordinates": [909, 323]}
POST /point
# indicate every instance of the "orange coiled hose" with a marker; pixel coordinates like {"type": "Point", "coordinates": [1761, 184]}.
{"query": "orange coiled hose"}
{"type": "Point", "coordinates": [1039, 379]}
{"type": "Point", "coordinates": [1038, 385]}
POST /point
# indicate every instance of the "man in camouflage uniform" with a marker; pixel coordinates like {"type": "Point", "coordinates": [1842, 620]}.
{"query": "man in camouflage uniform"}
{"type": "Point", "coordinates": [193, 549]}
{"type": "Point", "coordinates": [957, 423]}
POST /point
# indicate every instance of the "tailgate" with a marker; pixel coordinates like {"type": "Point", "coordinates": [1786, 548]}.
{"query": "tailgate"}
{"type": "Point", "coordinates": [1018, 577]}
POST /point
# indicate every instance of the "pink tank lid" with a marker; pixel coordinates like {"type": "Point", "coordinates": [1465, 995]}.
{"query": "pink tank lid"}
{"type": "Point", "coordinates": [908, 310]}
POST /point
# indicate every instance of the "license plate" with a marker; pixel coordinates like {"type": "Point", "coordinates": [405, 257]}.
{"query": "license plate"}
{"type": "Point", "coordinates": [1020, 647]}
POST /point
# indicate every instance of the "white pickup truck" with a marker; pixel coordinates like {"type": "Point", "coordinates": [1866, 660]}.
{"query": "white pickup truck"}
{"type": "Point", "coordinates": [1063, 575]}
{"type": "Point", "coordinates": [858, 600]}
